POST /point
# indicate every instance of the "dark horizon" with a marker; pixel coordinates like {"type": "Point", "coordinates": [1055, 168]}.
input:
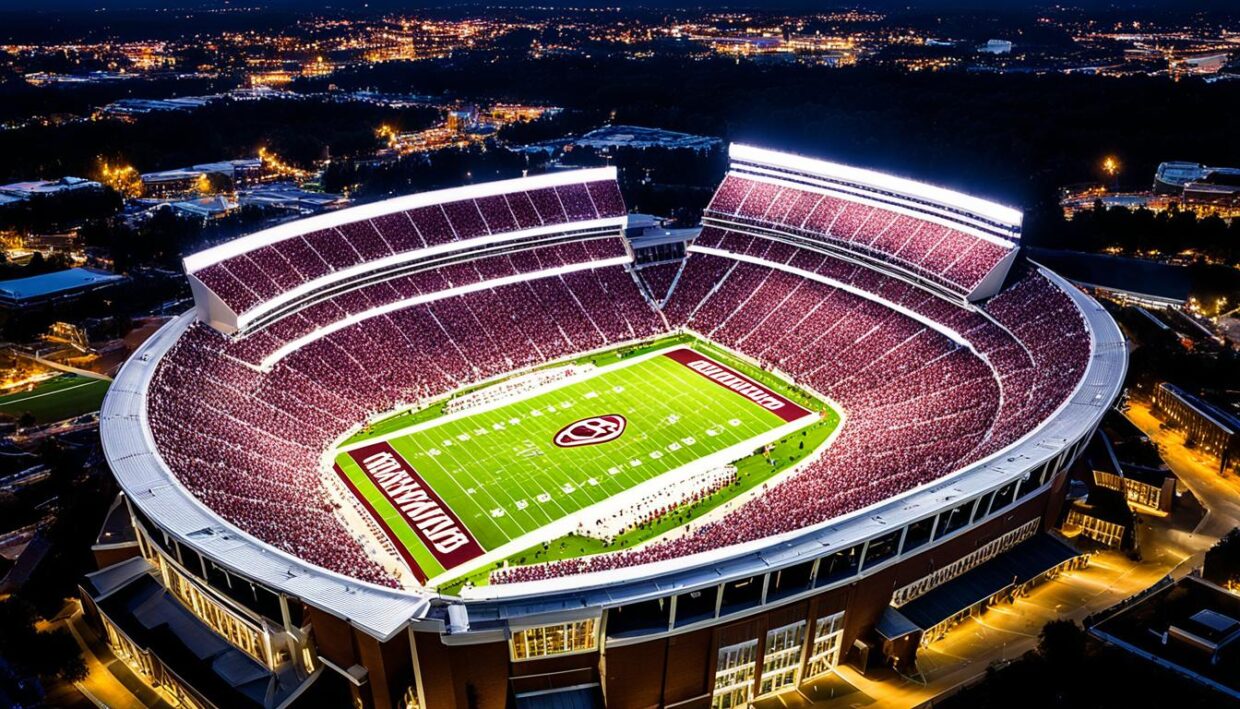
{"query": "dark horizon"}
{"type": "Point", "coordinates": [746, 5]}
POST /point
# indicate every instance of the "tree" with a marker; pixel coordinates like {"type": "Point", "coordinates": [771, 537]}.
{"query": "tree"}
{"type": "Point", "coordinates": [48, 654]}
{"type": "Point", "coordinates": [1222, 562]}
{"type": "Point", "coordinates": [1062, 644]}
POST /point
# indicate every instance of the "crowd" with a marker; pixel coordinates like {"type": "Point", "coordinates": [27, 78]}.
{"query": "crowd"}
{"type": "Point", "coordinates": [918, 404]}
{"type": "Point", "coordinates": [658, 279]}
{"type": "Point", "coordinates": [940, 254]}
{"type": "Point", "coordinates": [429, 278]}
{"type": "Point", "coordinates": [249, 442]}
{"type": "Point", "coordinates": [669, 499]}
{"type": "Point", "coordinates": [256, 276]}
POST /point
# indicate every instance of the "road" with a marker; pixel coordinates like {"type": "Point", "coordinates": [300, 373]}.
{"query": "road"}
{"type": "Point", "coordinates": [1219, 493]}
{"type": "Point", "coordinates": [109, 682]}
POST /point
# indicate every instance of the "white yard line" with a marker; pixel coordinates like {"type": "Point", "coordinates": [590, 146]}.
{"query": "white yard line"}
{"type": "Point", "coordinates": [570, 522]}
{"type": "Point", "coordinates": [10, 402]}
{"type": "Point", "coordinates": [500, 403]}
{"type": "Point", "coordinates": [633, 489]}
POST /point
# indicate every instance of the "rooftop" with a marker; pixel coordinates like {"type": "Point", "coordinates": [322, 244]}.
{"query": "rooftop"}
{"type": "Point", "coordinates": [55, 283]}
{"type": "Point", "coordinates": [1202, 616]}
{"type": "Point", "coordinates": [1216, 414]}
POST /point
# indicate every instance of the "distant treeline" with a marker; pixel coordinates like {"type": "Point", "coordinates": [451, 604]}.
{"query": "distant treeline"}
{"type": "Point", "coordinates": [1141, 230]}
{"type": "Point", "coordinates": [300, 132]}
{"type": "Point", "coordinates": [1014, 138]}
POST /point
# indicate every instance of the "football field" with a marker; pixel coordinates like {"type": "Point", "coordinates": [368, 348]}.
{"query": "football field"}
{"type": "Point", "coordinates": [450, 489]}
{"type": "Point", "coordinates": [61, 397]}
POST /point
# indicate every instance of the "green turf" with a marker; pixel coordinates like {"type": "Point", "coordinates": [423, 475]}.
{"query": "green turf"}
{"type": "Point", "coordinates": [411, 417]}
{"type": "Point", "coordinates": [752, 471]}
{"type": "Point", "coordinates": [505, 479]}
{"type": "Point", "coordinates": [56, 399]}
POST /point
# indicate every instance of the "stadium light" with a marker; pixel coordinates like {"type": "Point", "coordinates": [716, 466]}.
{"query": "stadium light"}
{"type": "Point", "coordinates": [289, 230]}
{"type": "Point", "coordinates": [1008, 216]}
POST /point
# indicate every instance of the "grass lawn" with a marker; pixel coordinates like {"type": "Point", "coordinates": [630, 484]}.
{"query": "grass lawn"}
{"type": "Point", "coordinates": [56, 399]}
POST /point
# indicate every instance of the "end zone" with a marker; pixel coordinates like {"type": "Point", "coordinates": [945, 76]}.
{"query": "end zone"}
{"type": "Point", "coordinates": [416, 506]}
{"type": "Point", "coordinates": [729, 378]}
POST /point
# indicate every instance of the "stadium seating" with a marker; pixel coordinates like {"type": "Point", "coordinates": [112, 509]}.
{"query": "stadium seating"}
{"type": "Point", "coordinates": [918, 404]}
{"type": "Point", "coordinates": [658, 279]}
{"type": "Point", "coordinates": [947, 257]}
{"type": "Point", "coordinates": [249, 442]}
{"type": "Point", "coordinates": [256, 346]}
{"type": "Point", "coordinates": [251, 278]}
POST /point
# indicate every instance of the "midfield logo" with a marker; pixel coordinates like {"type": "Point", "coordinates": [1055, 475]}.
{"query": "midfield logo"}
{"type": "Point", "coordinates": [591, 431]}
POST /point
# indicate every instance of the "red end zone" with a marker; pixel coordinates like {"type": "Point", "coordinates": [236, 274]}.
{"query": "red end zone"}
{"type": "Point", "coordinates": [731, 379]}
{"type": "Point", "coordinates": [434, 523]}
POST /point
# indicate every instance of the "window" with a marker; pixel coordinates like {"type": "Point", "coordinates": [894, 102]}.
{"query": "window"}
{"type": "Point", "coordinates": [789, 581]}
{"type": "Point", "coordinates": [828, 636]}
{"type": "Point", "coordinates": [983, 506]}
{"type": "Point", "coordinates": [741, 595]}
{"type": "Point", "coordinates": [1027, 486]}
{"type": "Point", "coordinates": [1004, 497]}
{"type": "Point", "coordinates": [559, 639]}
{"type": "Point", "coordinates": [882, 548]}
{"type": "Point", "coordinates": [734, 675]}
{"type": "Point", "coordinates": [918, 533]}
{"type": "Point", "coordinates": [840, 565]}
{"type": "Point", "coordinates": [781, 659]}
{"type": "Point", "coordinates": [639, 618]}
{"type": "Point", "coordinates": [696, 606]}
{"type": "Point", "coordinates": [240, 631]}
{"type": "Point", "coordinates": [1043, 473]}
{"type": "Point", "coordinates": [955, 518]}
{"type": "Point", "coordinates": [1100, 530]}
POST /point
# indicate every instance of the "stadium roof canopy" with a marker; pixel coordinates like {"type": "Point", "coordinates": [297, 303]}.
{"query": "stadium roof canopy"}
{"type": "Point", "coordinates": [1022, 563]}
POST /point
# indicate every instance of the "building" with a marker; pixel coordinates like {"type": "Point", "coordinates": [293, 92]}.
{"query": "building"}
{"type": "Point", "coordinates": [170, 183]}
{"type": "Point", "coordinates": [1219, 187]}
{"type": "Point", "coordinates": [1190, 627]}
{"type": "Point", "coordinates": [142, 106]}
{"type": "Point", "coordinates": [1206, 426]}
{"type": "Point", "coordinates": [1104, 516]}
{"type": "Point", "coordinates": [55, 287]}
{"type": "Point", "coordinates": [19, 191]}
{"type": "Point", "coordinates": [1001, 572]}
{"type": "Point", "coordinates": [290, 197]}
{"type": "Point", "coordinates": [188, 180]}
{"type": "Point", "coordinates": [204, 208]}
{"type": "Point", "coordinates": [277, 601]}
{"type": "Point", "coordinates": [1201, 63]}
{"type": "Point", "coordinates": [1127, 280]}
{"type": "Point", "coordinates": [637, 137]}
{"type": "Point", "coordinates": [1171, 176]}
{"type": "Point", "coordinates": [1148, 482]}
{"type": "Point", "coordinates": [996, 46]}
{"type": "Point", "coordinates": [1198, 184]}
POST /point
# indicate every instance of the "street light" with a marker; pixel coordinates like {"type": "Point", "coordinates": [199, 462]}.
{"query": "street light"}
{"type": "Point", "coordinates": [1111, 166]}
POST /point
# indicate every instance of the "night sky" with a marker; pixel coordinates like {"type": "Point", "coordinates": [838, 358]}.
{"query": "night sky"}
{"type": "Point", "coordinates": [818, 5]}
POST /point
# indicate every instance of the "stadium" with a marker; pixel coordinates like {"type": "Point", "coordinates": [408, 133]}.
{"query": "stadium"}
{"type": "Point", "coordinates": [486, 446]}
